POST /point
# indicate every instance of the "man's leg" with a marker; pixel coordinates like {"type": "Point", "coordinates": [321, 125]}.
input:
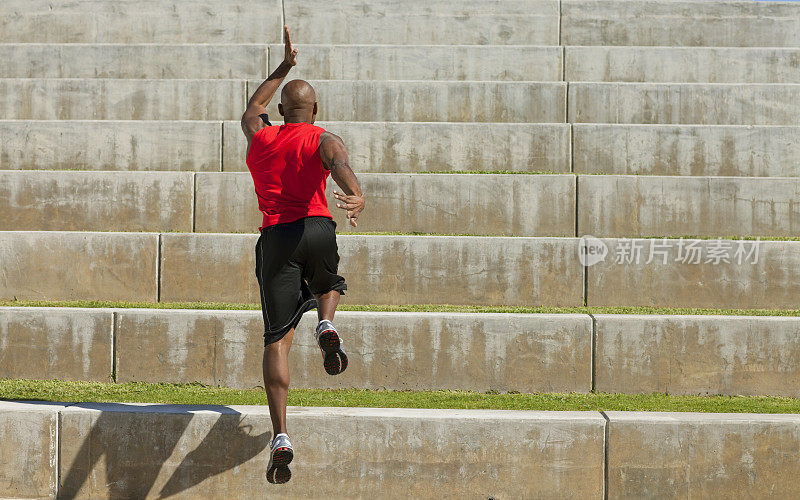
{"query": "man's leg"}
{"type": "Point", "coordinates": [276, 380]}
{"type": "Point", "coordinates": [326, 304]}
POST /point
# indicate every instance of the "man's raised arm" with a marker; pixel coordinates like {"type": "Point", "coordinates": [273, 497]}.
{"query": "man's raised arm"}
{"type": "Point", "coordinates": [257, 105]}
{"type": "Point", "coordinates": [335, 158]}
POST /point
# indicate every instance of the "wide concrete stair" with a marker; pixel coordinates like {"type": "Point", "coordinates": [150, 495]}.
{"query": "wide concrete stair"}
{"type": "Point", "coordinates": [659, 127]}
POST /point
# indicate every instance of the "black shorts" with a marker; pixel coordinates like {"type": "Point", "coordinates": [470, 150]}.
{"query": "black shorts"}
{"type": "Point", "coordinates": [294, 261]}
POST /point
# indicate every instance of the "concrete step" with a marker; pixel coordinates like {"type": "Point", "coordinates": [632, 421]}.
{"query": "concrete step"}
{"type": "Point", "coordinates": [79, 60]}
{"type": "Point", "coordinates": [145, 21]}
{"type": "Point", "coordinates": [222, 452]}
{"type": "Point", "coordinates": [517, 271]}
{"type": "Point", "coordinates": [339, 100]}
{"type": "Point", "coordinates": [115, 99]}
{"type": "Point", "coordinates": [532, 205]}
{"type": "Point", "coordinates": [399, 351]}
{"type": "Point", "coordinates": [694, 273]}
{"type": "Point", "coordinates": [683, 64]}
{"type": "Point", "coordinates": [718, 150]}
{"type": "Point", "coordinates": [675, 354]}
{"type": "Point", "coordinates": [425, 62]}
{"type": "Point", "coordinates": [637, 205]}
{"type": "Point", "coordinates": [432, 101]}
{"type": "Point", "coordinates": [113, 145]}
{"type": "Point", "coordinates": [701, 455]}
{"type": "Point", "coordinates": [215, 146]}
{"type": "Point", "coordinates": [220, 267]}
{"type": "Point", "coordinates": [98, 201]}
{"type": "Point", "coordinates": [434, 22]}
{"type": "Point", "coordinates": [60, 447]}
{"type": "Point", "coordinates": [685, 103]}
{"type": "Point", "coordinates": [434, 147]}
{"type": "Point", "coordinates": [214, 203]}
{"type": "Point", "coordinates": [680, 22]}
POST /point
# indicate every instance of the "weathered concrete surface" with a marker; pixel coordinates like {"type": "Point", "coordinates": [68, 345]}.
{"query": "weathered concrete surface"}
{"type": "Point", "coordinates": [116, 99]}
{"type": "Point", "coordinates": [43, 265]}
{"type": "Point", "coordinates": [432, 101]}
{"type": "Point", "coordinates": [29, 451]}
{"type": "Point", "coordinates": [435, 22]}
{"type": "Point", "coordinates": [702, 455]}
{"type": "Point", "coordinates": [638, 205]}
{"type": "Point", "coordinates": [683, 64]}
{"type": "Point", "coordinates": [426, 146]}
{"type": "Point", "coordinates": [110, 145]}
{"type": "Point", "coordinates": [146, 21]}
{"type": "Point", "coordinates": [532, 205]}
{"type": "Point", "coordinates": [675, 23]}
{"type": "Point", "coordinates": [117, 60]}
{"type": "Point", "coordinates": [685, 103]}
{"type": "Point", "coordinates": [96, 201]}
{"type": "Point", "coordinates": [390, 269]}
{"type": "Point", "coordinates": [55, 343]}
{"type": "Point", "coordinates": [697, 354]}
{"type": "Point", "coordinates": [213, 451]}
{"type": "Point", "coordinates": [720, 150]}
{"type": "Point", "coordinates": [425, 62]}
{"type": "Point", "coordinates": [695, 273]}
{"type": "Point", "coordinates": [399, 351]}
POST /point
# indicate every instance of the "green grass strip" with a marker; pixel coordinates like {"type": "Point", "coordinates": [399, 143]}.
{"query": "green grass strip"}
{"type": "Point", "coordinates": [137, 392]}
{"type": "Point", "coordinates": [410, 308]}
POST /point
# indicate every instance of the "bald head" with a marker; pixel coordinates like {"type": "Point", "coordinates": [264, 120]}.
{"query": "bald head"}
{"type": "Point", "coordinates": [298, 94]}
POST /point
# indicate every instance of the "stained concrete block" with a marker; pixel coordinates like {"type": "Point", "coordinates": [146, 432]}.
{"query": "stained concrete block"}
{"type": "Point", "coordinates": [110, 145]}
{"type": "Point", "coordinates": [111, 99]}
{"type": "Point", "coordinates": [43, 265]}
{"type": "Point", "coordinates": [29, 451]}
{"type": "Point", "coordinates": [732, 355]}
{"type": "Point", "coordinates": [390, 269]}
{"type": "Point", "coordinates": [96, 201]}
{"type": "Point", "coordinates": [696, 273]}
{"type": "Point", "coordinates": [425, 146]}
{"type": "Point", "coordinates": [399, 351]}
{"type": "Point", "coordinates": [146, 21]}
{"type": "Point", "coordinates": [702, 455]}
{"type": "Point", "coordinates": [425, 62]}
{"type": "Point", "coordinates": [116, 60]}
{"type": "Point", "coordinates": [638, 205]}
{"type": "Point", "coordinates": [432, 101]}
{"type": "Point", "coordinates": [112, 450]}
{"type": "Point", "coordinates": [683, 64]}
{"type": "Point", "coordinates": [671, 23]}
{"type": "Point", "coordinates": [719, 150]}
{"type": "Point", "coordinates": [685, 103]}
{"type": "Point", "coordinates": [534, 205]}
{"type": "Point", "coordinates": [214, 451]}
{"type": "Point", "coordinates": [435, 22]}
{"type": "Point", "coordinates": [55, 343]}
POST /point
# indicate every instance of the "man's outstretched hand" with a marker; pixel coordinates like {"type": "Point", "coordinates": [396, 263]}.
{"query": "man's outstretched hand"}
{"type": "Point", "coordinates": [354, 204]}
{"type": "Point", "coordinates": [289, 53]}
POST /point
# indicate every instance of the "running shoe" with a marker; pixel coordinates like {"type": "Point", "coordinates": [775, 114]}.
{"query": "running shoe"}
{"type": "Point", "coordinates": [333, 356]}
{"type": "Point", "coordinates": [280, 457]}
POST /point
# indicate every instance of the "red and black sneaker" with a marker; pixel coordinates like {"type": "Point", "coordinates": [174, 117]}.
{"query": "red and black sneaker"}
{"type": "Point", "coordinates": [280, 457]}
{"type": "Point", "coordinates": [333, 356]}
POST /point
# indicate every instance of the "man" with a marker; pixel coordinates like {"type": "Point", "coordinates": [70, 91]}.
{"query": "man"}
{"type": "Point", "coordinates": [296, 255]}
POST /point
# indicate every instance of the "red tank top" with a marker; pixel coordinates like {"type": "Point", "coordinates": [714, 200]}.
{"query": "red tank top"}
{"type": "Point", "coordinates": [288, 173]}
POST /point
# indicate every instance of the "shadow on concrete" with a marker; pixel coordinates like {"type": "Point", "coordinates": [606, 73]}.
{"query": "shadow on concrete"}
{"type": "Point", "coordinates": [136, 442]}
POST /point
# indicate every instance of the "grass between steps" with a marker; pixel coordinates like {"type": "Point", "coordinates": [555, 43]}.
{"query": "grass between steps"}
{"type": "Point", "coordinates": [137, 392]}
{"type": "Point", "coordinates": [411, 308]}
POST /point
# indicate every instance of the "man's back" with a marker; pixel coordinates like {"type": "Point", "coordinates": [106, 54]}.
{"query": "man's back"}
{"type": "Point", "coordinates": [288, 173]}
